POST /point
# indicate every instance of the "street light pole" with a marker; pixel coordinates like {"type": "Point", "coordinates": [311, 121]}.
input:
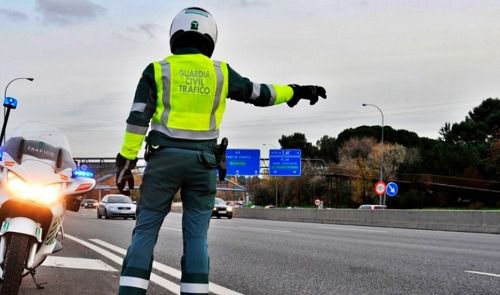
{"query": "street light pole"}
{"type": "Point", "coordinates": [275, 179]}
{"type": "Point", "coordinates": [381, 146]}
{"type": "Point", "coordinates": [5, 91]}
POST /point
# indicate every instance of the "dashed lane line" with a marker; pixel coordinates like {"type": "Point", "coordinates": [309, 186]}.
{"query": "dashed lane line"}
{"type": "Point", "coordinates": [171, 286]}
{"type": "Point", "coordinates": [354, 229]}
{"type": "Point", "coordinates": [264, 229]}
{"type": "Point", "coordinates": [483, 273]}
{"type": "Point", "coordinates": [214, 288]}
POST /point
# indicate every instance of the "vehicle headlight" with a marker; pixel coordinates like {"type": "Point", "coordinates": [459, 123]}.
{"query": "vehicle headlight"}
{"type": "Point", "coordinates": [229, 209]}
{"type": "Point", "coordinates": [46, 194]}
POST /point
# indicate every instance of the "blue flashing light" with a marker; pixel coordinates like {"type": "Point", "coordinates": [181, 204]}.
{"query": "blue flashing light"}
{"type": "Point", "coordinates": [82, 173]}
{"type": "Point", "coordinates": [10, 102]}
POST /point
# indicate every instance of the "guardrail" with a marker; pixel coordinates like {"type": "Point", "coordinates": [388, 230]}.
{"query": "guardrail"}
{"type": "Point", "coordinates": [477, 221]}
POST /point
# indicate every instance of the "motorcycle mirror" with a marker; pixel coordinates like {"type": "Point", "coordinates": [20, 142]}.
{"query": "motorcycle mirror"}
{"type": "Point", "coordinates": [59, 158]}
{"type": "Point", "coordinates": [20, 151]}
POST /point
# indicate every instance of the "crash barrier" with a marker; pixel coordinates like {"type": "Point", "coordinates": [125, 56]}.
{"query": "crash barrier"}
{"type": "Point", "coordinates": [447, 220]}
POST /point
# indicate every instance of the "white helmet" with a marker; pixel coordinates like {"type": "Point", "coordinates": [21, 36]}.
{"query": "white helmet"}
{"type": "Point", "coordinates": [194, 27]}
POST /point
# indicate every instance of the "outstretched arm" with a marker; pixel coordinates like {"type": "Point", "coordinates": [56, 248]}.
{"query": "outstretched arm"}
{"type": "Point", "coordinates": [263, 95]}
{"type": "Point", "coordinates": [259, 94]}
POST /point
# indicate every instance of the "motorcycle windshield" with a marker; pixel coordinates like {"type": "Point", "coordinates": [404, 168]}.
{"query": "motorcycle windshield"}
{"type": "Point", "coordinates": [42, 141]}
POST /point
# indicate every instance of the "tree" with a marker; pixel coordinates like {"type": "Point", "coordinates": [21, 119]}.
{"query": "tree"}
{"type": "Point", "coordinates": [327, 148]}
{"type": "Point", "coordinates": [299, 141]}
{"type": "Point", "coordinates": [354, 155]}
{"type": "Point", "coordinates": [451, 159]}
{"type": "Point", "coordinates": [481, 125]}
{"type": "Point", "coordinates": [493, 160]}
{"type": "Point", "coordinates": [401, 136]}
{"type": "Point", "coordinates": [359, 132]}
{"type": "Point", "coordinates": [394, 156]}
{"type": "Point", "coordinates": [363, 157]}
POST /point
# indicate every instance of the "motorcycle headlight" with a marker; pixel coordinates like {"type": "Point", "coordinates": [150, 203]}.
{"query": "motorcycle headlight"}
{"type": "Point", "coordinates": [46, 194]}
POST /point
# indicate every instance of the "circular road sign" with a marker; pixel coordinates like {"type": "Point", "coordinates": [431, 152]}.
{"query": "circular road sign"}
{"type": "Point", "coordinates": [317, 202]}
{"type": "Point", "coordinates": [380, 187]}
{"type": "Point", "coordinates": [392, 189]}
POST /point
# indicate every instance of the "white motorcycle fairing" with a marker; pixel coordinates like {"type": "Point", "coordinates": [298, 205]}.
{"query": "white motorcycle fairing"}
{"type": "Point", "coordinates": [36, 186]}
{"type": "Point", "coordinates": [22, 225]}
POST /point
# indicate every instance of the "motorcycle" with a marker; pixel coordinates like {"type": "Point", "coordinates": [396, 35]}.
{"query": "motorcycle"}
{"type": "Point", "coordinates": [38, 182]}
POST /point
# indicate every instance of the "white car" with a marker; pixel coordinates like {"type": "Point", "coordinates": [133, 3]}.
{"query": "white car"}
{"type": "Point", "coordinates": [115, 205]}
{"type": "Point", "coordinates": [221, 209]}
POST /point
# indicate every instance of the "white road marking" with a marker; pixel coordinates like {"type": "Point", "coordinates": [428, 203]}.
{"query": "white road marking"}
{"type": "Point", "coordinates": [159, 266]}
{"type": "Point", "coordinates": [483, 273]}
{"type": "Point", "coordinates": [171, 228]}
{"type": "Point", "coordinates": [171, 286]}
{"type": "Point", "coordinates": [77, 263]}
{"type": "Point", "coordinates": [354, 229]}
{"type": "Point", "coordinates": [214, 288]}
{"type": "Point", "coordinates": [264, 229]}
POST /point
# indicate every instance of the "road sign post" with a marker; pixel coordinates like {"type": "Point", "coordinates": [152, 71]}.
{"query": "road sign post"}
{"type": "Point", "coordinates": [285, 162]}
{"type": "Point", "coordinates": [243, 162]}
{"type": "Point", "coordinates": [392, 189]}
{"type": "Point", "coordinates": [380, 188]}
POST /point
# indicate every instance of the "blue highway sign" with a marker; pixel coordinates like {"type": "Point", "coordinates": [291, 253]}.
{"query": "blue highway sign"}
{"type": "Point", "coordinates": [243, 162]}
{"type": "Point", "coordinates": [285, 162]}
{"type": "Point", "coordinates": [392, 189]}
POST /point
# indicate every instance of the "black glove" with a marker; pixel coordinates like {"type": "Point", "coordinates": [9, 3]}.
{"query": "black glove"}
{"type": "Point", "coordinates": [124, 174]}
{"type": "Point", "coordinates": [309, 92]}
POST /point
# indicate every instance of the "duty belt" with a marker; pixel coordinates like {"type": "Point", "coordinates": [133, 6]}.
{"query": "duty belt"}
{"type": "Point", "coordinates": [205, 146]}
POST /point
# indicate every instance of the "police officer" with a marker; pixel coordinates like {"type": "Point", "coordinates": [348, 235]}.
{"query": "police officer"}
{"type": "Point", "coordinates": [183, 98]}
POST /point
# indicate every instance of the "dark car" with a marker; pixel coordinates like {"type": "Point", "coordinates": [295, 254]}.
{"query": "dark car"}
{"type": "Point", "coordinates": [221, 209]}
{"type": "Point", "coordinates": [115, 205]}
{"type": "Point", "coordinates": [89, 203]}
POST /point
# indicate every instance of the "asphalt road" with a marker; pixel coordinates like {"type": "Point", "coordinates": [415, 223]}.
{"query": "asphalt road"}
{"type": "Point", "coordinates": [271, 257]}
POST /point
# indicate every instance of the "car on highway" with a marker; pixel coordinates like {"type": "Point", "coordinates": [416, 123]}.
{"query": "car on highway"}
{"type": "Point", "coordinates": [372, 207]}
{"type": "Point", "coordinates": [116, 205]}
{"type": "Point", "coordinates": [89, 203]}
{"type": "Point", "coordinates": [221, 209]}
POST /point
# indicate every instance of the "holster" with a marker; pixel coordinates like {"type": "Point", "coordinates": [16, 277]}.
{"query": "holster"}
{"type": "Point", "coordinates": [149, 151]}
{"type": "Point", "coordinates": [220, 156]}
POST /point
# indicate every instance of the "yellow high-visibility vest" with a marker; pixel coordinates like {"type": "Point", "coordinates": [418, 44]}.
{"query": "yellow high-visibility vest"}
{"type": "Point", "coordinates": [191, 96]}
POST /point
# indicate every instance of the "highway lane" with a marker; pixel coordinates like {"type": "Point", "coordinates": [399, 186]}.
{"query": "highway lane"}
{"type": "Point", "coordinates": [273, 257]}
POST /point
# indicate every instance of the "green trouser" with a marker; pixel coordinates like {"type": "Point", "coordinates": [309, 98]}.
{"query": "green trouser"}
{"type": "Point", "coordinates": [170, 169]}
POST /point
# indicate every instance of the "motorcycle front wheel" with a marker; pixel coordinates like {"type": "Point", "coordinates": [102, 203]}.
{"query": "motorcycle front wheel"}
{"type": "Point", "coordinates": [13, 266]}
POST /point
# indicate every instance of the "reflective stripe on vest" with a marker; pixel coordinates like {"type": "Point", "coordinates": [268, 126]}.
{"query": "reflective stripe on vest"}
{"type": "Point", "coordinates": [192, 91]}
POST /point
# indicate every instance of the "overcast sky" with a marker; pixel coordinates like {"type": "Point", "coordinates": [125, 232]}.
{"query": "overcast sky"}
{"type": "Point", "coordinates": [422, 62]}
